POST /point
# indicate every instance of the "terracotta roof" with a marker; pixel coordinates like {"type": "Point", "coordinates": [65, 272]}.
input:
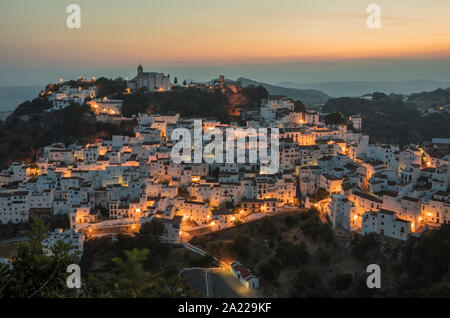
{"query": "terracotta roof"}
{"type": "Point", "coordinates": [243, 271]}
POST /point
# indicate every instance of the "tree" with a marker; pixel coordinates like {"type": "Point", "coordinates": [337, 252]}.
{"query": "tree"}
{"type": "Point", "coordinates": [320, 195]}
{"type": "Point", "coordinates": [134, 281]}
{"type": "Point", "coordinates": [153, 230]}
{"type": "Point", "coordinates": [335, 119]}
{"type": "Point", "coordinates": [110, 87]}
{"type": "Point", "coordinates": [34, 274]}
{"type": "Point", "coordinates": [184, 83]}
{"type": "Point", "coordinates": [363, 247]}
{"type": "Point", "coordinates": [388, 119]}
{"type": "Point", "coordinates": [175, 81]}
{"type": "Point", "coordinates": [323, 256]}
{"type": "Point", "coordinates": [290, 221]}
{"type": "Point", "coordinates": [307, 279]}
{"type": "Point", "coordinates": [266, 271]}
{"type": "Point", "coordinates": [133, 277]}
{"type": "Point", "coordinates": [267, 227]}
{"type": "Point", "coordinates": [255, 94]}
{"type": "Point", "coordinates": [201, 260]}
{"type": "Point", "coordinates": [290, 254]}
{"type": "Point", "coordinates": [37, 233]}
{"type": "Point", "coordinates": [342, 281]}
{"type": "Point", "coordinates": [326, 233]}
{"type": "Point", "coordinates": [299, 107]}
{"type": "Point", "coordinates": [240, 245]}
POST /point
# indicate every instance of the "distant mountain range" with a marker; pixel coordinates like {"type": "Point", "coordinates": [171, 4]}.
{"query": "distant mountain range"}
{"type": "Point", "coordinates": [11, 97]}
{"type": "Point", "coordinates": [439, 97]}
{"type": "Point", "coordinates": [307, 96]}
{"type": "Point", "coordinates": [355, 88]}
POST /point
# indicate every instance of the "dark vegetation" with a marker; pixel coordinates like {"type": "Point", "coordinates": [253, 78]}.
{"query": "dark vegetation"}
{"type": "Point", "coordinates": [140, 266]}
{"type": "Point", "coordinates": [335, 119]}
{"type": "Point", "coordinates": [191, 101]}
{"type": "Point", "coordinates": [320, 195]}
{"type": "Point", "coordinates": [439, 97]}
{"type": "Point", "coordinates": [187, 102]}
{"type": "Point", "coordinates": [35, 274]}
{"type": "Point", "coordinates": [23, 135]}
{"type": "Point", "coordinates": [29, 128]}
{"type": "Point", "coordinates": [130, 267]}
{"type": "Point", "coordinates": [387, 119]}
{"type": "Point", "coordinates": [295, 255]}
{"type": "Point", "coordinates": [9, 231]}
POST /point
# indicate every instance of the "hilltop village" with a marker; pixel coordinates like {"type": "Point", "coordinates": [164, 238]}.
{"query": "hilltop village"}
{"type": "Point", "coordinates": [116, 185]}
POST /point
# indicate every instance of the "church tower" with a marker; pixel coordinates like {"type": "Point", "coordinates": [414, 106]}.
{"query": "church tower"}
{"type": "Point", "coordinates": [140, 70]}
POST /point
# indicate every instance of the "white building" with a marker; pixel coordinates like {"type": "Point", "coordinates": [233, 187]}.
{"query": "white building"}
{"type": "Point", "coordinates": [384, 222]}
{"type": "Point", "coordinates": [14, 207]}
{"type": "Point", "coordinates": [342, 213]}
{"type": "Point", "coordinates": [151, 81]}
{"type": "Point", "coordinates": [196, 211]}
{"type": "Point", "coordinates": [356, 121]}
{"type": "Point", "coordinates": [72, 237]}
{"type": "Point", "coordinates": [244, 275]}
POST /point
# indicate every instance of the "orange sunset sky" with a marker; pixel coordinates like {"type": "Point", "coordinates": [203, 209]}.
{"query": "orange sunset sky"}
{"type": "Point", "coordinates": [200, 33]}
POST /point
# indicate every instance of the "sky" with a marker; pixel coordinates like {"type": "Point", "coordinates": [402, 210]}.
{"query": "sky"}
{"type": "Point", "coordinates": [266, 40]}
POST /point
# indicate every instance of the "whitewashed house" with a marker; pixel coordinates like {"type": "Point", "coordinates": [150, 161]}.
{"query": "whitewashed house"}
{"type": "Point", "coordinates": [244, 275]}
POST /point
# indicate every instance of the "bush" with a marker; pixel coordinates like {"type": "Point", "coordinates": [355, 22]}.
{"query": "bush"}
{"type": "Point", "coordinates": [307, 279]}
{"type": "Point", "coordinates": [290, 254]}
{"type": "Point", "coordinates": [290, 221]}
{"type": "Point", "coordinates": [320, 195]}
{"type": "Point", "coordinates": [342, 281]}
{"type": "Point", "coordinates": [267, 227]}
{"type": "Point", "coordinates": [312, 229]}
{"type": "Point", "coordinates": [201, 261]}
{"type": "Point", "coordinates": [240, 245]}
{"type": "Point", "coordinates": [323, 256]}
{"type": "Point", "coordinates": [326, 233]}
{"type": "Point", "coordinates": [267, 271]}
{"type": "Point", "coordinates": [362, 246]}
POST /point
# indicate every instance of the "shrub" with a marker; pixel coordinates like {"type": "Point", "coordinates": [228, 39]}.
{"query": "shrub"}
{"type": "Point", "coordinates": [267, 271]}
{"type": "Point", "coordinates": [342, 281]}
{"type": "Point", "coordinates": [323, 256]}
{"type": "Point", "coordinates": [292, 254]}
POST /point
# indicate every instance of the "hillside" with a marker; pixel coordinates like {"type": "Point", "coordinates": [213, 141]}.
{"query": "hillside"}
{"type": "Point", "coordinates": [439, 97]}
{"type": "Point", "coordinates": [307, 96]}
{"type": "Point", "coordinates": [389, 120]}
{"type": "Point", "coordinates": [295, 255]}
{"type": "Point", "coordinates": [21, 136]}
{"type": "Point", "coordinates": [29, 127]}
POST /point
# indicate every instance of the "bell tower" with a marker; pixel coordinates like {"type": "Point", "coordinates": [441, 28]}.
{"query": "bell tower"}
{"type": "Point", "coordinates": [140, 69]}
